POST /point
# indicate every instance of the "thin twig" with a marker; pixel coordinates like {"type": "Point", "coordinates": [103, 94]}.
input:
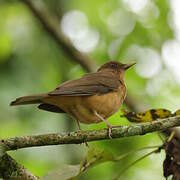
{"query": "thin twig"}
{"type": "Point", "coordinates": [135, 162]}
{"type": "Point", "coordinates": [135, 151]}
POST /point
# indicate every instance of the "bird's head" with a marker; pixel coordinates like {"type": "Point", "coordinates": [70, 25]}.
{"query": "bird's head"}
{"type": "Point", "coordinates": [116, 67]}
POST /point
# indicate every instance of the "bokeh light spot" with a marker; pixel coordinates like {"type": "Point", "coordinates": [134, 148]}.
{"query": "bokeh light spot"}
{"type": "Point", "coordinates": [148, 60]}
{"type": "Point", "coordinates": [171, 54]}
{"type": "Point", "coordinates": [136, 6]}
{"type": "Point", "coordinates": [74, 24]}
{"type": "Point", "coordinates": [121, 22]}
{"type": "Point", "coordinates": [174, 20]}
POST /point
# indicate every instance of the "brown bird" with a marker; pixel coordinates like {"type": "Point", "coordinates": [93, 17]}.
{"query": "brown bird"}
{"type": "Point", "coordinates": [90, 99]}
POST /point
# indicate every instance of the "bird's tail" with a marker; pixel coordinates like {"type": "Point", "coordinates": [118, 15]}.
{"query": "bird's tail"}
{"type": "Point", "coordinates": [33, 99]}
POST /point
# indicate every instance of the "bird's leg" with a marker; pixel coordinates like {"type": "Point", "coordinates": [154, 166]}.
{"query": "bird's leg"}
{"type": "Point", "coordinates": [79, 129]}
{"type": "Point", "coordinates": [107, 124]}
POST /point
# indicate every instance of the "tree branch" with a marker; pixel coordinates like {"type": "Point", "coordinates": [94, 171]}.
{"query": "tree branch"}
{"type": "Point", "coordinates": [10, 169]}
{"type": "Point", "coordinates": [51, 26]}
{"type": "Point", "coordinates": [87, 136]}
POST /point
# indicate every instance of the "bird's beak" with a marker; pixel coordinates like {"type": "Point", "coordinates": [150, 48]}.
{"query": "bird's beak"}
{"type": "Point", "coordinates": [127, 66]}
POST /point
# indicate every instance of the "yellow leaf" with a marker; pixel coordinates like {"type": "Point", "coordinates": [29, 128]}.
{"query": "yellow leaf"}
{"type": "Point", "coordinates": [147, 116]}
{"type": "Point", "coordinates": [177, 113]}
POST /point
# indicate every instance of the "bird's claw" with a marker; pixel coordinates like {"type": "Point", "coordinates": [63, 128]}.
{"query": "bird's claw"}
{"type": "Point", "coordinates": [87, 145]}
{"type": "Point", "coordinates": [79, 132]}
{"type": "Point", "coordinates": [110, 132]}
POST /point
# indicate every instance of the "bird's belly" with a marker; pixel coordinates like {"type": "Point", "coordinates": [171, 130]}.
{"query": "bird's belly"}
{"type": "Point", "coordinates": [85, 115]}
{"type": "Point", "coordinates": [75, 107]}
{"type": "Point", "coordinates": [105, 105]}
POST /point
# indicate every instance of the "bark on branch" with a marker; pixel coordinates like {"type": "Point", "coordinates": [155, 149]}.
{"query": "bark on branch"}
{"type": "Point", "coordinates": [10, 169]}
{"type": "Point", "coordinates": [88, 136]}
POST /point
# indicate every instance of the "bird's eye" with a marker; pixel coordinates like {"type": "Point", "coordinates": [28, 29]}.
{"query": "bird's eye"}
{"type": "Point", "coordinates": [113, 65]}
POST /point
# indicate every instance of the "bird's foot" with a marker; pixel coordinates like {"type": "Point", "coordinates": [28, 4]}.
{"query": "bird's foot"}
{"type": "Point", "coordinates": [110, 131]}
{"type": "Point", "coordinates": [87, 145]}
{"type": "Point", "coordinates": [78, 132]}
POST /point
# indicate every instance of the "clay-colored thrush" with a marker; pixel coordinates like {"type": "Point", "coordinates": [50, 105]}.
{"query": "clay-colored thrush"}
{"type": "Point", "coordinates": [90, 99]}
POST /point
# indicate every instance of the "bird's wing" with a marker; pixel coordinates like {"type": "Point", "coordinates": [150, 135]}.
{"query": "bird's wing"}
{"type": "Point", "coordinates": [90, 84]}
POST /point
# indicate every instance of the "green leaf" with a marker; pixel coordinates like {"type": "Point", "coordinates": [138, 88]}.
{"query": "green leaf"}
{"type": "Point", "coordinates": [96, 156]}
{"type": "Point", "coordinates": [147, 116]}
{"type": "Point", "coordinates": [66, 172]}
{"type": "Point", "coordinates": [177, 113]}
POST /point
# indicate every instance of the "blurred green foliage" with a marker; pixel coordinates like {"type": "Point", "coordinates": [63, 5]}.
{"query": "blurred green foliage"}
{"type": "Point", "coordinates": [31, 62]}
